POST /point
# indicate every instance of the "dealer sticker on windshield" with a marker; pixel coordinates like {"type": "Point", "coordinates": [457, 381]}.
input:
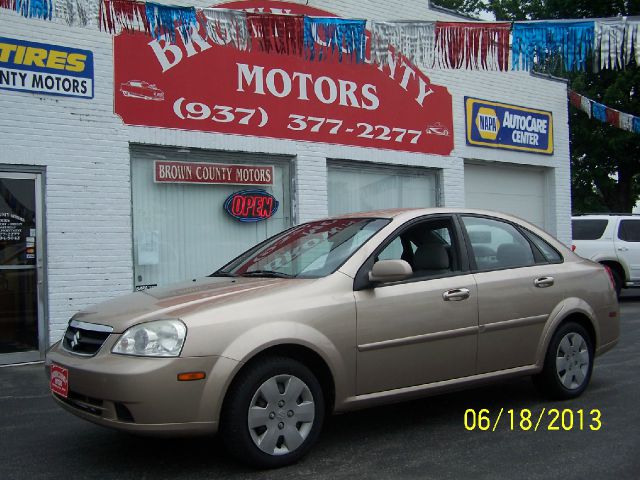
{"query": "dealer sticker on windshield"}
{"type": "Point", "coordinates": [59, 380]}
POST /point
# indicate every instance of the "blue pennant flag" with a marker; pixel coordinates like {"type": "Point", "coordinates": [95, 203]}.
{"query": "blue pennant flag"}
{"type": "Point", "coordinates": [42, 9]}
{"type": "Point", "coordinates": [343, 35]}
{"type": "Point", "coordinates": [163, 19]}
{"type": "Point", "coordinates": [599, 111]}
{"type": "Point", "coordinates": [535, 43]}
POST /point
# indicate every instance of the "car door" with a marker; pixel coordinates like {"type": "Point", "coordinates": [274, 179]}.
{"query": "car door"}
{"type": "Point", "coordinates": [422, 329]}
{"type": "Point", "coordinates": [627, 243]}
{"type": "Point", "coordinates": [518, 288]}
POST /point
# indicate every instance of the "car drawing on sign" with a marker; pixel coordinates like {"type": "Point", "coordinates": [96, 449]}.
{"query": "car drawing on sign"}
{"type": "Point", "coordinates": [141, 89]}
{"type": "Point", "coordinates": [437, 129]}
{"type": "Point", "coordinates": [335, 315]}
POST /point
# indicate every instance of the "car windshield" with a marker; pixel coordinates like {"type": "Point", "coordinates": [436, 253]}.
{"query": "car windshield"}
{"type": "Point", "coordinates": [311, 250]}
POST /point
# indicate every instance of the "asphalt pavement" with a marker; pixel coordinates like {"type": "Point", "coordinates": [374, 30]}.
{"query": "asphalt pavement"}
{"type": "Point", "coordinates": [420, 439]}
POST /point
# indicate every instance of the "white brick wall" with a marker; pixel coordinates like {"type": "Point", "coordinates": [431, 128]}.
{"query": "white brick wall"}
{"type": "Point", "coordinates": [85, 149]}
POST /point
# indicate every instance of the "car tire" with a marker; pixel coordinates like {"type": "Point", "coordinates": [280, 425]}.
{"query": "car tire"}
{"type": "Point", "coordinates": [568, 363]}
{"type": "Point", "coordinates": [273, 413]}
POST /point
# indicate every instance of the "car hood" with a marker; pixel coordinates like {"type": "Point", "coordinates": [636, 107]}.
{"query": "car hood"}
{"type": "Point", "coordinates": [179, 299]}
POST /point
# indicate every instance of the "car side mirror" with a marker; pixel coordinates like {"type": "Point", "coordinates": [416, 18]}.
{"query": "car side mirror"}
{"type": "Point", "coordinates": [390, 271]}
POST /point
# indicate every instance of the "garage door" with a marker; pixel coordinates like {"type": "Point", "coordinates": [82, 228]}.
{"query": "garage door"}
{"type": "Point", "coordinates": [511, 189]}
{"type": "Point", "coordinates": [365, 188]}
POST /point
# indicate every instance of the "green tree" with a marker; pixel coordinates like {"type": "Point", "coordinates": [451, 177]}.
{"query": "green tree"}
{"type": "Point", "coordinates": [605, 160]}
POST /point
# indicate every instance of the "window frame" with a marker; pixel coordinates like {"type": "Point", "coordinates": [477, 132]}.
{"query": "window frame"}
{"type": "Point", "coordinates": [545, 261]}
{"type": "Point", "coordinates": [584, 220]}
{"type": "Point", "coordinates": [538, 257]}
{"type": "Point", "coordinates": [622, 220]}
{"type": "Point", "coordinates": [361, 280]}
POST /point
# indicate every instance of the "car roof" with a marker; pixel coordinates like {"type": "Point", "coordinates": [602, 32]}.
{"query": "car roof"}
{"type": "Point", "coordinates": [407, 213]}
{"type": "Point", "coordinates": [604, 216]}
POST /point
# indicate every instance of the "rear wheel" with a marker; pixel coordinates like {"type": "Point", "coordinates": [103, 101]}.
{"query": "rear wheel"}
{"type": "Point", "coordinates": [568, 363]}
{"type": "Point", "coordinates": [273, 413]}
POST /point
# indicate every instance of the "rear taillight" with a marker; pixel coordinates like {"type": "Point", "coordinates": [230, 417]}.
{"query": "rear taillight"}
{"type": "Point", "coordinates": [610, 273]}
{"type": "Point", "coordinates": [573, 248]}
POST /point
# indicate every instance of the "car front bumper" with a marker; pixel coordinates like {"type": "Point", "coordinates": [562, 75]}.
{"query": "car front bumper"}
{"type": "Point", "coordinates": [143, 394]}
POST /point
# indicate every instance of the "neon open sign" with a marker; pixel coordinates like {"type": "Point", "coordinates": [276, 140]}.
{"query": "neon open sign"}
{"type": "Point", "coordinates": [251, 205]}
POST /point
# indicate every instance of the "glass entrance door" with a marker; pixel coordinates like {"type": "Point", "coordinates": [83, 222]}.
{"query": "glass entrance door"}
{"type": "Point", "coordinates": [21, 323]}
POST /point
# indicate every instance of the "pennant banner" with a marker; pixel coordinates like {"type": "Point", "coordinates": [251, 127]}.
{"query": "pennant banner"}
{"type": "Point", "coordinates": [414, 40]}
{"type": "Point", "coordinates": [601, 112]}
{"type": "Point", "coordinates": [42, 9]}
{"type": "Point", "coordinates": [327, 35]}
{"type": "Point", "coordinates": [448, 45]}
{"type": "Point", "coordinates": [77, 13]}
{"type": "Point", "coordinates": [163, 20]}
{"type": "Point", "coordinates": [535, 43]}
{"type": "Point", "coordinates": [476, 46]}
{"type": "Point", "coordinates": [127, 15]}
{"type": "Point", "coordinates": [277, 33]}
{"type": "Point", "coordinates": [227, 27]}
{"type": "Point", "coordinates": [611, 50]}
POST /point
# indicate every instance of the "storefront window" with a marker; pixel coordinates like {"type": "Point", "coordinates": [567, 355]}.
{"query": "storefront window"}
{"type": "Point", "coordinates": [365, 188]}
{"type": "Point", "coordinates": [181, 230]}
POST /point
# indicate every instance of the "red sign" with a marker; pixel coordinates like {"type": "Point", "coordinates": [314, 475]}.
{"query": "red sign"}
{"type": "Point", "coordinates": [251, 205]}
{"type": "Point", "coordinates": [212, 173]}
{"type": "Point", "coordinates": [199, 84]}
{"type": "Point", "coordinates": [59, 380]}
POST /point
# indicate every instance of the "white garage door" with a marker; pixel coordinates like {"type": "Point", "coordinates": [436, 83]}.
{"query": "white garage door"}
{"type": "Point", "coordinates": [520, 191]}
{"type": "Point", "coordinates": [364, 188]}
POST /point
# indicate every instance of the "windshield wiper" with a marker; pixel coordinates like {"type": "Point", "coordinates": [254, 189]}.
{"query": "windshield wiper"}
{"type": "Point", "coordinates": [223, 274]}
{"type": "Point", "coordinates": [266, 273]}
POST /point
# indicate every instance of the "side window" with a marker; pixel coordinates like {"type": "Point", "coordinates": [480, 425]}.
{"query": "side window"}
{"type": "Point", "coordinates": [427, 247]}
{"type": "Point", "coordinates": [629, 230]}
{"type": "Point", "coordinates": [497, 244]}
{"type": "Point", "coordinates": [585, 229]}
{"type": "Point", "coordinates": [549, 253]}
{"type": "Point", "coordinates": [393, 251]}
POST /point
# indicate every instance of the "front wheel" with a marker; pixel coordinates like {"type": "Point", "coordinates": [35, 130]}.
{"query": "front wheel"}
{"type": "Point", "coordinates": [273, 413]}
{"type": "Point", "coordinates": [568, 363]}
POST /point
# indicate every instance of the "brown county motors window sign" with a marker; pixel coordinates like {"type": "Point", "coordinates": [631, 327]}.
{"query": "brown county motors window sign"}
{"type": "Point", "coordinates": [212, 173]}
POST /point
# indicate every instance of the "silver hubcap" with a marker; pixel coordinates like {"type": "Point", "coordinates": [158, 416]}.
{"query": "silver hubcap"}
{"type": "Point", "coordinates": [572, 360]}
{"type": "Point", "coordinates": [281, 414]}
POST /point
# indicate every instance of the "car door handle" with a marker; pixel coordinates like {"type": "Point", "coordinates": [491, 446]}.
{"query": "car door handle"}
{"type": "Point", "coordinates": [543, 282]}
{"type": "Point", "coordinates": [456, 295]}
{"type": "Point", "coordinates": [623, 249]}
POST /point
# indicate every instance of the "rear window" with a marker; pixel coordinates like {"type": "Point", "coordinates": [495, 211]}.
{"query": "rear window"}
{"type": "Point", "coordinates": [588, 229]}
{"type": "Point", "coordinates": [629, 230]}
{"type": "Point", "coordinates": [549, 253]}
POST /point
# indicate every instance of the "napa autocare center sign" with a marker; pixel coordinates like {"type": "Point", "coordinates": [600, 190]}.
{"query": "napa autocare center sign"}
{"type": "Point", "coordinates": [201, 83]}
{"type": "Point", "coordinates": [499, 125]}
{"type": "Point", "coordinates": [45, 69]}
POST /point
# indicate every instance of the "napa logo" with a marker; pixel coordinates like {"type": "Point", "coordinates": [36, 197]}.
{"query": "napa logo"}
{"type": "Point", "coordinates": [511, 127]}
{"type": "Point", "coordinates": [488, 123]}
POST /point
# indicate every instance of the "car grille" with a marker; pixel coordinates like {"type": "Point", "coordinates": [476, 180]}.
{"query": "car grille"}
{"type": "Point", "coordinates": [85, 338]}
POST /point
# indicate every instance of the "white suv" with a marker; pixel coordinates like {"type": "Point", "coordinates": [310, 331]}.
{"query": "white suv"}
{"type": "Point", "coordinates": [612, 240]}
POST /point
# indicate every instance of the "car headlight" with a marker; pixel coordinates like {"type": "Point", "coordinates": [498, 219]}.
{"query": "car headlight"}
{"type": "Point", "coordinates": [161, 338]}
